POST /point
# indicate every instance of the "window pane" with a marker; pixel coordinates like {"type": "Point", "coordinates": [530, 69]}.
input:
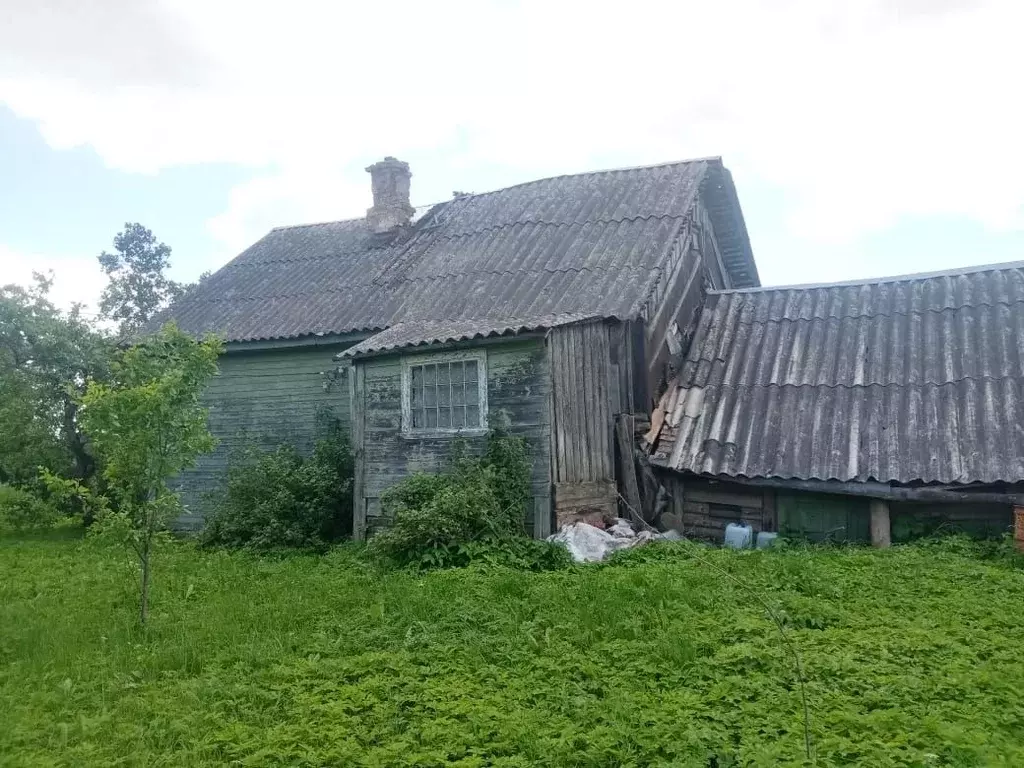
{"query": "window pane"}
{"type": "Point", "coordinates": [471, 370]}
{"type": "Point", "coordinates": [458, 417]}
{"type": "Point", "coordinates": [442, 375]}
{"type": "Point", "coordinates": [458, 394]}
{"type": "Point", "coordinates": [430, 396]}
{"type": "Point", "coordinates": [444, 417]}
{"type": "Point", "coordinates": [456, 371]}
{"type": "Point", "coordinates": [444, 396]}
{"type": "Point", "coordinates": [417, 395]}
{"type": "Point", "coordinates": [471, 393]}
{"type": "Point", "coordinates": [429, 372]}
{"type": "Point", "coordinates": [472, 417]}
{"type": "Point", "coordinates": [431, 420]}
{"type": "Point", "coordinates": [417, 376]}
{"type": "Point", "coordinates": [417, 418]}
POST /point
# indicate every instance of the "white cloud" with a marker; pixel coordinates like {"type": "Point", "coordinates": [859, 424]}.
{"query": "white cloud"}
{"type": "Point", "coordinates": [75, 280]}
{"type": "Point", "coordinates": [859, 112]}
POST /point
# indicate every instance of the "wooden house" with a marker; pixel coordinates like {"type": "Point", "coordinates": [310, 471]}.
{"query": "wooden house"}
{"type": "Point", "coordinates": [573, 307]}
{"type": "Point", "coordinates": [553, 306]}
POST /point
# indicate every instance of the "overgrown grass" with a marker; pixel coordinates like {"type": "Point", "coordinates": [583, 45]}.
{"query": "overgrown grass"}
{"type": "Point", "coordinates": [913, 657]}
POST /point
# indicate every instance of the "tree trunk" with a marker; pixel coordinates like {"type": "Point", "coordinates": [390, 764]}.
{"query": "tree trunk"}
{"type": "Point", "coordinates": [144, 596]}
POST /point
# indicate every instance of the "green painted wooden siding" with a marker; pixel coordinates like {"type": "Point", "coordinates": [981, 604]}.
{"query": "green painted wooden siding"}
{"type": "Point", "coordinates": [267, 398]}
{"type": "Point", "coordinates": [518, 383]}
{"type": "Point", "coordinates": [820, 517]}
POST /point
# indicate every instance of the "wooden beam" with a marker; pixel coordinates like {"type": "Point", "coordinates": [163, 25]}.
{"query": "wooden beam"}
{"type": "Point", "coordinates": [1018, 528]}
{"type": "Point", "coordinates": [881, 531]}
{"type": "Point", "coordinates": [936, 495]}
{"type": "Point", "coordinates": [357, 381]}
{"type": "Point", "coordinates": [627, 466]}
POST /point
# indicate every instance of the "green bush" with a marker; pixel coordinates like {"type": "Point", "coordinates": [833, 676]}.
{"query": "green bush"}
{"type": "Point", "coordinates": [22, 510]}
{"type": "Point", "coordinates": [473, 513]}
{"type": "Point", "coordinates": [282, 499]}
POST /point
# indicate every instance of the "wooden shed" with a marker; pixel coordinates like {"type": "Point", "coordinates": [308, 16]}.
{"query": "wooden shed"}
{"type": "Point", "coordinates": [860, 411]}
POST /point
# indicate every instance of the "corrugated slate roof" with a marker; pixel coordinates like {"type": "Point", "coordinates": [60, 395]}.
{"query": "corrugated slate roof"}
{"type": "Point", "coordinates": [591, 244]}
{"type": "Point", "coordinates": [414, 334]}
{"type": "Point", "coordinates": [911, 379]}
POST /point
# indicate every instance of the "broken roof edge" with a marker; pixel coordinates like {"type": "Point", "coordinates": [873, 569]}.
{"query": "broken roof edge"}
{"type": "Point", "coordinates": [910, 277]}
{"type": "Point", "coordinates": [738, 225]}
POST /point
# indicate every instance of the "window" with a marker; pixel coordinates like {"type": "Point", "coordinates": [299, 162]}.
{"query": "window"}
{"type": "Point", "coordinates": [444, 394]}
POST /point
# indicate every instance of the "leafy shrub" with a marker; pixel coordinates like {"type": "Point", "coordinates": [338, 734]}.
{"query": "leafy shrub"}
{"type": "Point", "coordinates": [72, 497]}
{"type": "Point", "coordinates": [472, 513]}
{"type": "Point", "coordinates": [22, 510]}
{"type": "Point", "coordinates": [283, 499]}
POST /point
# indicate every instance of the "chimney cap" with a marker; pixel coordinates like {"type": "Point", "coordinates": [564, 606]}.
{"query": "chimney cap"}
{"type": "Point", "coordinates": [388, 162]}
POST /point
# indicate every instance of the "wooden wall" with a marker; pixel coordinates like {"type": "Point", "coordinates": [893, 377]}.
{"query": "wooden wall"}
{"type": "Point", "coordinates": [912, 520]}
{"type": "Point", "coordinates": [586, 394]}
{"type": "Point", "coordinates": [701, 508]}
{"type": "Point", "coordinates": [266, 398]}
{"type": "Point", "coordinates": [518, 384]}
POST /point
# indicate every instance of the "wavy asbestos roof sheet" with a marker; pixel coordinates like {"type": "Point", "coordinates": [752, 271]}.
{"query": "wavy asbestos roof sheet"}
{"type": "Point", "coordinates": [913, 379]}
{"type": "Point", "coordinates": [590, 244]}
{"type": "Point", "coordinates": [405, 335]}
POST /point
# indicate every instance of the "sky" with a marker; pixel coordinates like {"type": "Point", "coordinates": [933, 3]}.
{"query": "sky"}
{"type": "Point", "coordinates": [866, 138]}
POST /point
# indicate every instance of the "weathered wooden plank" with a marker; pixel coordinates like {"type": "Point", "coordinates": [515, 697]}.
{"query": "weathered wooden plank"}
{"type": "Point", "coordinates": [542, 516]}
{"type": "Point", "coordinates": [627, 467]}
{"type": "Point", "coordinates": [571, 493]}
{"type": "Point", "coordinates": [881, 530]}
{"type": "Point", "coordinates": [358, 443]}
{"type": "Point", "coordinates": [728, 497]}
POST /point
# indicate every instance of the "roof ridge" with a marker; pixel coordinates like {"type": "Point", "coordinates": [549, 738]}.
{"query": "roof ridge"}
{"type": "Point", "coordinates": [690, 161]}
{"type": "Point", "coordinates": [954, 272]}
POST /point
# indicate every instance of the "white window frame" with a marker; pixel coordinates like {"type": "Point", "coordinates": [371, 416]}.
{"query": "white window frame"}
{"type": "Point", "coordinates": [408, 363]}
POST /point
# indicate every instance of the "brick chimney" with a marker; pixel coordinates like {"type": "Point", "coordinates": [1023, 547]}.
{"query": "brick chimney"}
{"type": "Point", "coordinates": [391, 208]}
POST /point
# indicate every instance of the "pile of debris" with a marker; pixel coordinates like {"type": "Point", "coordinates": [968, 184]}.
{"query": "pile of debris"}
{"type": "Point", "coordinates": [592, 543]}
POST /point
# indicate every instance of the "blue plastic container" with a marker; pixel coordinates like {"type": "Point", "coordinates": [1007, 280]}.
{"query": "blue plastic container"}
{"type": "Point", "coordinates": [766, 539]}
{"type": "Point", "coordinates": [739, 536]}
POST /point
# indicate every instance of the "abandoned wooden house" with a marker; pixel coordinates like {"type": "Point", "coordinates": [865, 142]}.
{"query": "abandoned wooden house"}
{"type": "Point", "coordinates": [553, 305]}
{"type": "Point", "coordinates": [565, 308]}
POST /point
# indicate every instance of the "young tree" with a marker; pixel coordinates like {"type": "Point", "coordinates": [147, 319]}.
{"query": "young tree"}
{"type": "Point", "coordinates": [139, 286]}
{"type": "Point", "coordinates": [147, 425]}
{"type": "Point", "coordinates": [46, 356]}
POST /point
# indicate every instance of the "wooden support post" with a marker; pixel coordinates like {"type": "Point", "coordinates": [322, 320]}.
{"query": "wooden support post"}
{"type": "Point", "coordinates": [627, 467]}
{"type": "Point", "coordinates": [1018, 528]}
{"type": "Point", "coordinates": [881, 532]}
{"type": "Point", "coordinates": [358, 416]}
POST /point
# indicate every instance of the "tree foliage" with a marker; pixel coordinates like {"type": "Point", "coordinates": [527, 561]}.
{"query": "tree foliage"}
{"type": "Point", "coordinates": [46, 357]}
{"type": "Point", "coordinates": [147, 424]}
{"type": "Point", "coordinates": [138, 285]}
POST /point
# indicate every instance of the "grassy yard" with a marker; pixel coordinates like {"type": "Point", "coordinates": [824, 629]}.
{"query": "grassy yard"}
{"type": "Point", "coordinates": [913, 656]}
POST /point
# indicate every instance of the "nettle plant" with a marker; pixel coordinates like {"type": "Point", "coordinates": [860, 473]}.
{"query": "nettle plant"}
{"type": "Point", "coordinates": [472, 513]}
{"type": "Point", "coordinates": [146, 424]}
